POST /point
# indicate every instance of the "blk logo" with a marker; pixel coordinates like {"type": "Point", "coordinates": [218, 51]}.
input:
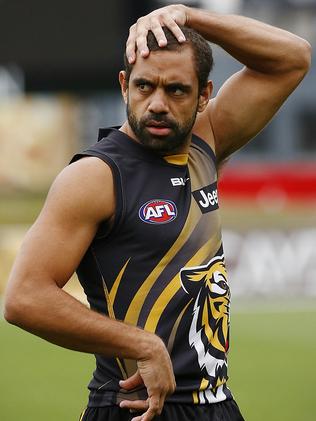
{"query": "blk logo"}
{"type": "Point", "coordinates": [158, 211]}
{"type": "Point", "coordinates": [179, 181]}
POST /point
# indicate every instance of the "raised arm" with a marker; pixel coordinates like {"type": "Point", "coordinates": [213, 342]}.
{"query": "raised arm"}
{"type": "Point", "coordinates": [51, 252]}
{"type": "Point", "coordinates": [275, 62]}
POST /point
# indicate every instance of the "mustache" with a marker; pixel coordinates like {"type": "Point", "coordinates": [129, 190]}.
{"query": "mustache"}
{"type": "Point", "coordinates": [158, 118]}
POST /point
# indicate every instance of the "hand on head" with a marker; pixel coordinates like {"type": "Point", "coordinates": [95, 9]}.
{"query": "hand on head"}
{"type": "Point", "coordinates": [170, 16]}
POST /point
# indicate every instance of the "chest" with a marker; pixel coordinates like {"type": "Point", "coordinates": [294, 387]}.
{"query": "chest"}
{"type": "Point", "coordinates": [158, 199]}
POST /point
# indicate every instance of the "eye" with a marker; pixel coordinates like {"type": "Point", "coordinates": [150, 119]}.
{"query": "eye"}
{"type": "Point", "coordinates": [144, 87]}
{"type": "Point", "coordinates": [176, 90]}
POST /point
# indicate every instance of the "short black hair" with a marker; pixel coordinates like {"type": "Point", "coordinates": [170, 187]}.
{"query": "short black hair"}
{"type": "Point", "coordinates": [202, 52]}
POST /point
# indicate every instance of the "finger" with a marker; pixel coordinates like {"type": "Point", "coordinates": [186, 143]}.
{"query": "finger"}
{"type": "Point", "coordinates": [132, 382]}
{"type": "Point", "coordinates": [174, 28]}
{"type": "Point", "coordinates": [141, 43]}
{"type": "Point", "coordinates": [131, 45]}
{"type": "Point", "coordinates": [147, 416]}
{"type": "Point", "coordinates": [155, 408]}
{"type": "Point", "coordinates": [158, 32]}
{"type": "Point", "coordinates": [142, 29]}
{"type": "Point", "coordinates": [139, 418]}
{"type": "Point", "coordinates": [138, 405]}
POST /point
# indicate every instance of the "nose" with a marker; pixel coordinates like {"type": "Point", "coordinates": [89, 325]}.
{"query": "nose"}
{"type": "Point", "coordinates": [158, 103]}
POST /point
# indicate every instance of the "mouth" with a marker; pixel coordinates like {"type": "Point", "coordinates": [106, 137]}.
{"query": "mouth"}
{"type": "Point", "coordinates": [158, 128]}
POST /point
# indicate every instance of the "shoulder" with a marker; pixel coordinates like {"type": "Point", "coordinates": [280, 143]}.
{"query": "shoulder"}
{"type": "Point", "coordinates": [84, 189]}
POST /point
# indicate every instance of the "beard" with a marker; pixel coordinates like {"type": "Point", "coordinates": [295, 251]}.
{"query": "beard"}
{"type": "Point", "coordinates": [162, 145]}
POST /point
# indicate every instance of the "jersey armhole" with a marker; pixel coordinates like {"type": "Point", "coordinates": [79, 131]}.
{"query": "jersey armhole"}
{"type": "Point", "coordinates": [202, 144]}
{"type": "Point", "coordinates": [105, 228]}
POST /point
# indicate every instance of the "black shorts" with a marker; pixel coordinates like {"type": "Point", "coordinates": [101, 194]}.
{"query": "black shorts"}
{"type": "Point", "coordinates": [222, 411]}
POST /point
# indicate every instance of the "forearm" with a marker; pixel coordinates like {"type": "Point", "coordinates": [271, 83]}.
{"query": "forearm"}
{"type": "Point", "coordinates": [59, 318]}
{"type": "Point", "coordinates": [257, 45]}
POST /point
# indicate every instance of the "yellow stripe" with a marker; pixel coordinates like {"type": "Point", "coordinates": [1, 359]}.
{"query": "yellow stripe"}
{"type": "Point", "coordinates": [130, 366]}
{"type": "Point", "coordinates": [204, 384]}
{"type": "Point", "coordinates": [116, 284]}
{"type": "Point", "coordinates": [124, 374]}
{"type": "Point", "coordinates": [195, 397]}
{"type": "Point", "coordinates": [173, 287]}
{"type": "Point", "coordinates": [82, 414]}
{"type": "Point", "coordinates": [198, 179]}
{"type": "Point", "coordinates": [180, 159]}
{"type": "Point", "coordinates": [112, 315]}
{"type": "Point", "coordinates": [175, 327]}
{"type": "Point", "coordinates": [108, 301]}
{"type": "Point", "coordinates": [136, 305]}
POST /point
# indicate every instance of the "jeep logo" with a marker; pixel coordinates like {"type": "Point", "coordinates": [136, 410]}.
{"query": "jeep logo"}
{"type": "Point", "coordinates": [207, 198]}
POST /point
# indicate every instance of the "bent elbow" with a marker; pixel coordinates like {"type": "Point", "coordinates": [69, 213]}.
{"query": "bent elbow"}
{"type": "Point", "coordinates": [11, 312]}
{"type": "Point", "coordinates": [301, 58]}
{"type": "Point", "coordinates": [306, 56]}
{"type": "Point", "coordinates": [300, 63]}
{"type": "Point", "coordinates": [296, 59]}
{"type": "Point", "coordinates": [15, 309]}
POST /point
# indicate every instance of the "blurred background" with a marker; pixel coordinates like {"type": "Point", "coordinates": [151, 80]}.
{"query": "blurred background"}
{"type": "Point", "coordinates": [58, 83]}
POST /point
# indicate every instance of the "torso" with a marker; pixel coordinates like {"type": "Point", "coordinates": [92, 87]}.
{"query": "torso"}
{"type": "Point", "coordinates": [161, 267]}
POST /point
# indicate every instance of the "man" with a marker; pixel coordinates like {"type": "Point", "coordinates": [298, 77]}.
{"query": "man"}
{"type": "Point", "coordinates": [137, 214]}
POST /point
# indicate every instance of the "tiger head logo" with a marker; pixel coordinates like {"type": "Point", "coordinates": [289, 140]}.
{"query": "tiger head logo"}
{"type": "Point", "coordinates": [209, 331]}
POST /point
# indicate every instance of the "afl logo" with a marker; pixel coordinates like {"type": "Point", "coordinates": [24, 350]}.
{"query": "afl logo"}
{"type": "Point", "coordinates": [158, 211]}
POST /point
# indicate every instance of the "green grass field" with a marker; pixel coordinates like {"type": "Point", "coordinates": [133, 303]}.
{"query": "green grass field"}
{"type": "Point", "coordinates": [272, 370]}
{"type": "Point", "coordinates": [272, 365]}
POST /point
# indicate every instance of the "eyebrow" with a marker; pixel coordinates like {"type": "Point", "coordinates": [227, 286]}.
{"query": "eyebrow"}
{"type": "Point", "coordinates": [141, 80]}
{"type": "Point", "coordinates": [184, 87]}
{"type": "Point", "coordinates": [171, 85]}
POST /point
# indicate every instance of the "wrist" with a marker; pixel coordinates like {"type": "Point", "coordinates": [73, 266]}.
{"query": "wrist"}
{"type": "Point", "coordinates": [206, 23]}
{"type": "Point", "coordinates": [150, 346]}
{"type": "Point", "coordinates": [197, 19]}
{"type": "Point", "coordinates": [188, 14]}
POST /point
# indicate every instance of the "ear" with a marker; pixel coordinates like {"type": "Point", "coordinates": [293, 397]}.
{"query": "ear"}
{"type": "Point", "coordinates": [124, 85]}
{"type": "Point", "coordinates": [205, 96]}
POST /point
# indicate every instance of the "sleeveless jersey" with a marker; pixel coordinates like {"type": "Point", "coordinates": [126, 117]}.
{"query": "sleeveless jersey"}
{"type": "Point", "coordinates": [161, 267]}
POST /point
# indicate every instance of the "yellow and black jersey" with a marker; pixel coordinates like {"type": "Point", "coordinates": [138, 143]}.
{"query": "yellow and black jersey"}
{"type": "Point", "coordinates": [161, 267]}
